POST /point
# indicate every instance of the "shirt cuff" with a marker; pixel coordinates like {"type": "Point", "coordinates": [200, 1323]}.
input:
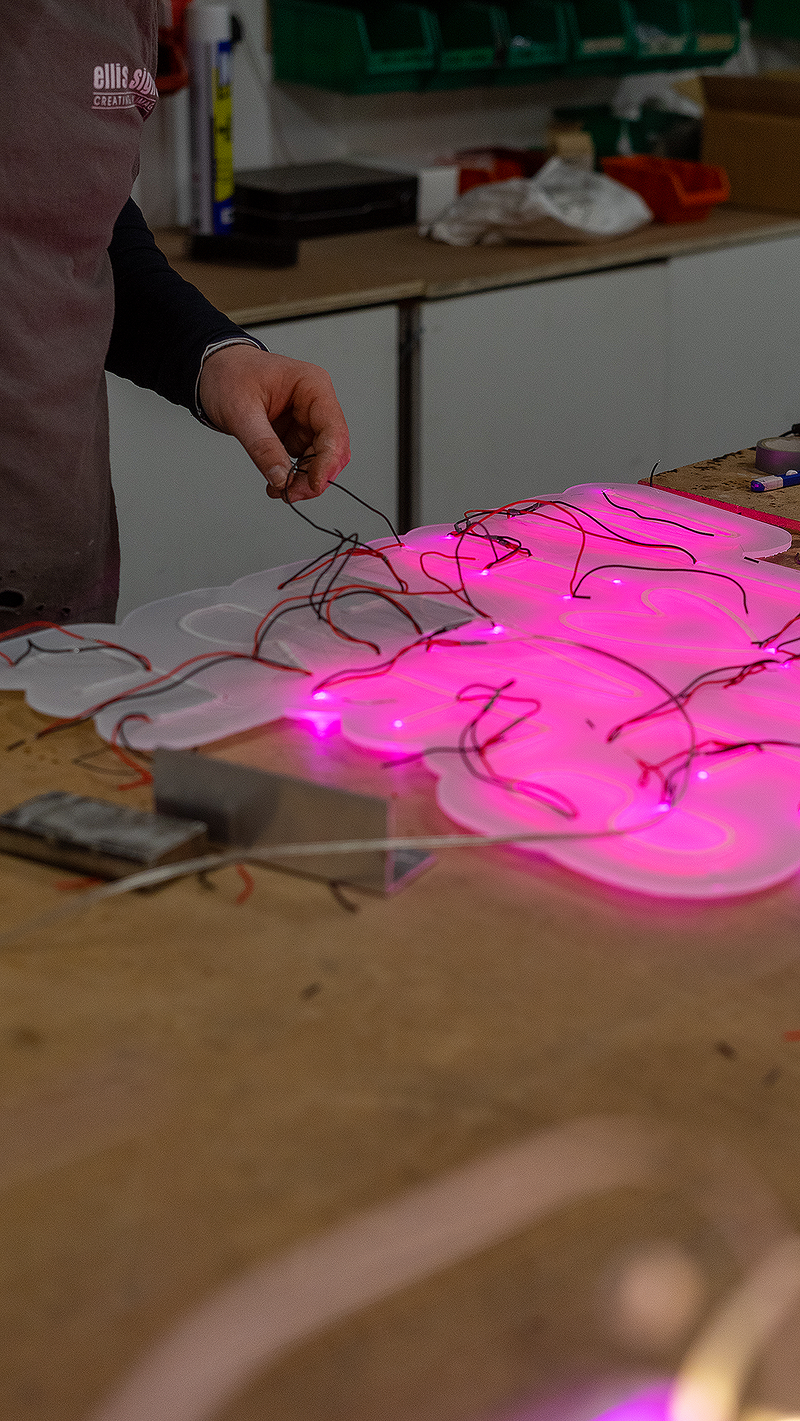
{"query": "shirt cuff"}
{"type": "Point", "coordinates": [209, 350]}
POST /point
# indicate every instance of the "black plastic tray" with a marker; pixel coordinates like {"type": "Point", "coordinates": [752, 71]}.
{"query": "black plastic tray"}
{"type": "Point", "coordinates": [322, 199]}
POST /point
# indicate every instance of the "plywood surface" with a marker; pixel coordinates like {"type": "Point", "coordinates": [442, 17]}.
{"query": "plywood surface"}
{"type": "Point", "coordinates": [372, 268]}
{"type": "Point", "coordinates": [727, 478]}
{"type": "Point", "coordinates": [188, 1086]}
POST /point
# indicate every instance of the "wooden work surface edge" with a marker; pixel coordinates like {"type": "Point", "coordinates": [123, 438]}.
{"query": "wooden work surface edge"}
{"type": "Point", "coordinates": [365, 269]}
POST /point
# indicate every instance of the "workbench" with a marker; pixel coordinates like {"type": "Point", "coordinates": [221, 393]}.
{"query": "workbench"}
{"type": "Point", "coordinates": [361, 269]}
{"type": "Point", "coordinates": [191, 1085]}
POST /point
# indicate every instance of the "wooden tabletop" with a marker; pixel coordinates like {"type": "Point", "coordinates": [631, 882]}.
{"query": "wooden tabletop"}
{"type": "Point", "coordinates": [726, 479]}
{"type": "Point", "coordinates": [189, 1085]}
{"type": "Point", "coordinates": [374, 268]}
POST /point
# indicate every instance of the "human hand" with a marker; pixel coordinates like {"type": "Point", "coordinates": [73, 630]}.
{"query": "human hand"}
{"type": "Point", "coordinates": [280, 410]}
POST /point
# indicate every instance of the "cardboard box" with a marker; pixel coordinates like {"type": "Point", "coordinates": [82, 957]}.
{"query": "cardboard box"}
{"type": "Point", "coordinates": [752, 130]}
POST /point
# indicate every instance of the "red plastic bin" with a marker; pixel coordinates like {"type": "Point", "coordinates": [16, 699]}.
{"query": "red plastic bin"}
{"type": "Point", "coordinates": [676, 191]}
{"type": "Point", "coordinates": [496, 165]}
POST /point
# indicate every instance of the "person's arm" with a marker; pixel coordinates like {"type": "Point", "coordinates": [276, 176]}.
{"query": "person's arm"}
{"type": "Point", "coordinates": [162, 324]}
{"type": "Point", "coordinates": [169, 338]}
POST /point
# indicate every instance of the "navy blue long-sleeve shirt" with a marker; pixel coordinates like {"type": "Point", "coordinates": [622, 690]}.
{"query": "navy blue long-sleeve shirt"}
{"type": "Point", "coordinates": [163, 326]}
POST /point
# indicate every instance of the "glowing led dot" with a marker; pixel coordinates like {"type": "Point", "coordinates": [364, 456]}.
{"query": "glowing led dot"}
{"type": "Point", "coordinates": [485, 572]}
{"type": "Point", "coordinates": [397, 724]}
{"type": "Point", "coordinates": [321, 721]}
{"type": "Point", "coordinates": [617, 581]}
{"type": "Point", "coordinates": [567, 597]}
{"type": "Point", "coordinates": [702, 774]}
{"type": "Point", "coordinates": [496, 630]}
{"type": "Point", "coordinates": [320, 696]}
{"type": "Point", "coordinates": [662, 808]}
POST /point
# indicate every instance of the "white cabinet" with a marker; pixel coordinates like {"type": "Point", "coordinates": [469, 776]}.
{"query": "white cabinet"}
{"type": "Point", "coordinates": [523, 390]}
{"type": "Point", "coordinates": [529, 389]}
{"type": "Point", "coordinates": [192, 507]}
{"type": "Point", "coordinates": [733, 345]}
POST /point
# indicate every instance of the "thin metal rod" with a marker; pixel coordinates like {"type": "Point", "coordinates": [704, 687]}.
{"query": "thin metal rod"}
{"type": "Point", "coordinates": [409, 334]}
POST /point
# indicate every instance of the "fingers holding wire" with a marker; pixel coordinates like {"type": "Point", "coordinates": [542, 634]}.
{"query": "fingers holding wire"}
{"type": "Point", "coordinates": [296, 485]}
{"type": "Point", "coordinates": [318, 466]}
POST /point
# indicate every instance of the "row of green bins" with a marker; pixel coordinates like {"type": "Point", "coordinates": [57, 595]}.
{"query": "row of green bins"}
{"type": "Point", "coordinates": [366, 46]}
{"type": "Point", "coordinates": [353, 48]}
{"type": "Point", "coordinates": [631, 36]}
{"type": "Point", "coordinates": [500, 44]}
{"type": "Point", "coordinates": [371, 47]}
{"type": "Point", "coordinates": [779, 19]}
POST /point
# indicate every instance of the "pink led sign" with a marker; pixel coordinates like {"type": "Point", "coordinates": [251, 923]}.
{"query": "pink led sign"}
{"type": "Point", "coordinates": [615, 668]}
{"type": "Point", "coordinates": [638, 1401]}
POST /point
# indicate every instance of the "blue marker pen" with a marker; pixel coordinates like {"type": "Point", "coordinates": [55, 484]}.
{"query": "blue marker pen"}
{"type": "Point", "coordinates": [770, 481]}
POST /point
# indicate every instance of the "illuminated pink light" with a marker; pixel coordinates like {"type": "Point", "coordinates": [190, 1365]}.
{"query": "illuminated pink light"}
{"type": "Point", "coordinates": [650, 1401]}
{"type": "Point", "coordinates": [736, 832]}
{"type": "Point", "coordinates": [652, 1405]}
{"type": "Point", "coordinates": [672, 628]}
{"type": "Point", "coordinates": [322, 722]}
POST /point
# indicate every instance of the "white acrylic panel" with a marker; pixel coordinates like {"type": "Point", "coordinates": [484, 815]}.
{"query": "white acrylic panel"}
{"type": "Point", "coordinates": [192, 507]}
{"type": "Point", "coordinates": [734, 348]}
{"type": "Point", "coordinates": [581, 713]}
{"type": "Point", "coordinates": [532, 388]}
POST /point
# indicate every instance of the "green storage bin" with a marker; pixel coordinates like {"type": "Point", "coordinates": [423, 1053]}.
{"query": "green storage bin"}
{"type": "Point", "coordinates": [368, 47]}
{"type": "Point", "coordinates": [664, 33]}
{"type": "Point", "coordinates": [538, 35]}
{"type": "Point", "coordinates": [602, 37]}
{"type": "Point", "coordinates": [472, 43]}
{"type": "Point", "coordinates": [538, 42]}
{"type": "Point", "coordinates": [717, 30]}
{"type": "Point", "coordinates": [367, 50]}
{"type": "Point", "coordinates": [778, 18]}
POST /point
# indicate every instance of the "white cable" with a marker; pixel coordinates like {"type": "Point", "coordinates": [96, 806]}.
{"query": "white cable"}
{"type": "Point", "coordinates": [154, 877]}
{"type": "Point", "coordinates": [711, 1381]}
{"type": "Point", "coordinates": [213, 1352]}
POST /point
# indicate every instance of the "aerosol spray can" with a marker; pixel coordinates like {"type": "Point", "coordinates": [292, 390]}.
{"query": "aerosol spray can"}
{"type": "Point", "coordinates": [208, 29]}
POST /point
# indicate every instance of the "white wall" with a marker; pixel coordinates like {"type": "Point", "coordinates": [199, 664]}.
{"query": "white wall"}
{"type": "Point", "coordinates": [533, 388]}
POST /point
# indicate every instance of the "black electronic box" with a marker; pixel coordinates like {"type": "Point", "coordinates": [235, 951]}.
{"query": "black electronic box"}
{"type": "Point", "coordinates": [321, 199]}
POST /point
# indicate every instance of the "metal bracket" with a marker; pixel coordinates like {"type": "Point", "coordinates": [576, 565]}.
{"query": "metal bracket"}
{"type": "Point", "coordinates": [245, 807]}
